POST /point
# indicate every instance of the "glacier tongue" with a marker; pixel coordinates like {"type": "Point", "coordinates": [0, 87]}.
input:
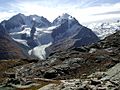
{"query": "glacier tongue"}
{"type": "Point", "coordinates": [39, 51]}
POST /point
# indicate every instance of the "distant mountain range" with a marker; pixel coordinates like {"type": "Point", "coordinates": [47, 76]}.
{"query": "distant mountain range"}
{"type": "Point", "coordinates": [42, 37]}
{"type": "Point", "coordinates": [105, 29]}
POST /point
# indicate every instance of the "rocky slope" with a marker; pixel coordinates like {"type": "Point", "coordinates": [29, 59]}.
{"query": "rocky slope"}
{"type": "Point", "coordinates": [9, 49]}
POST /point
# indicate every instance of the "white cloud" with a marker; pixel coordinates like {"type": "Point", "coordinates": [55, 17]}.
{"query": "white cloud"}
{"type": "Point", "coordinates": [6, 15]}
{"type": "Point", "coordinates": [51, 10]}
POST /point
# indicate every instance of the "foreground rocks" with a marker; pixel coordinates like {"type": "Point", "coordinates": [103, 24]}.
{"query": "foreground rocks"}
{"type": "Point", "coordinates": [95, 81]}
{"type": "Point", "coordinates": [88, 85]}
{"type": "Point", "coordinates": [91, 83]}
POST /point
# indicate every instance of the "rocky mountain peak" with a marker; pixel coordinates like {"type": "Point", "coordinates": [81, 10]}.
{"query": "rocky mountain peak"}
{"type": "Point", "coordinates": [20, 14]}
{"type": "Point", "coordinates": [17, 21]}
{"type": "Point", "coordinates": [64, 18]}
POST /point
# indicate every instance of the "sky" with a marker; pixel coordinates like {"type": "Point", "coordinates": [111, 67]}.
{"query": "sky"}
{"type": "Point", "coordinates": [84, 11]}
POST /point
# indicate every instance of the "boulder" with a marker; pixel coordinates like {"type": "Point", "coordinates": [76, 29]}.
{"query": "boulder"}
{"type": "Point", "coordinates": [95, 82]}
{"type": "Point", "coordinates": [50, 74]}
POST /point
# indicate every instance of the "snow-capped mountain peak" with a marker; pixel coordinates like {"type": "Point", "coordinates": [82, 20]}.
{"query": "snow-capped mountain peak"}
{"type": "Point", "coordinates": [105, 29]}
{"type": "Point", "coordinates": [65, 16]}
{"type": "Point", "coordinates": [39, 19]}
{"type": "Point", "coordinates": [14, 24]}
{"type": "Point", "coordinates": [63, 19]}
{"type": "Point", "coordinates": [20, 14]}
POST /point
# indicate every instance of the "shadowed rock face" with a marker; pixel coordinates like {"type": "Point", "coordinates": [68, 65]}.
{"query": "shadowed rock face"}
{"type": "Point", "coordinates": [2, 31]}
{"type": "Point", "coordinates": [9, 49]}
{"type": "Point", "coordinates": [82, 37]}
